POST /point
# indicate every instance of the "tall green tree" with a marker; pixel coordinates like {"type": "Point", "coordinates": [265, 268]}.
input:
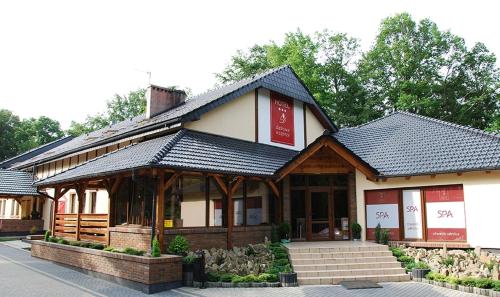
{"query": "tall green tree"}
{"type": "Point", "coordinates": [8, 125]}
{"type": "Point", "coordinates": [417, 67]}
{"type": "Point", "coordinates": [120, 108]}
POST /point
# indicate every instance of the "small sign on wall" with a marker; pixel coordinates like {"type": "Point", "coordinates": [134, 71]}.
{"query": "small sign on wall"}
{"type": "Point", "coordinates": [282, 120]}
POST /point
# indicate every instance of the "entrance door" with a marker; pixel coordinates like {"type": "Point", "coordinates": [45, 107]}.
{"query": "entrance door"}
{"type": "Point", "coordinates": [320, 211]}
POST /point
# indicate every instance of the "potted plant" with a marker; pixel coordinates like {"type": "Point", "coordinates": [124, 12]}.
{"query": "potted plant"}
{"type": "Point", "coordinates": [288, 278]}
{"type": "Point", "coordinates": [420, 270]}
{"type": "Point", "coordinates": [284, 230]}
{"type": "Point", "coordinates": [356, 231]}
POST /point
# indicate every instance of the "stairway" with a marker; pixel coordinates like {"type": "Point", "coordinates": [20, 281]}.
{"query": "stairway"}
{"type": "Point", "coordinates": [333, 262]}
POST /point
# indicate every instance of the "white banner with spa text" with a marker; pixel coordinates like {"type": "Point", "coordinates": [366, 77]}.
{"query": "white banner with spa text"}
{"type": "Point", "coordinates": [412, 214]}
{"type": "Point", "coordinates": [385, 214]}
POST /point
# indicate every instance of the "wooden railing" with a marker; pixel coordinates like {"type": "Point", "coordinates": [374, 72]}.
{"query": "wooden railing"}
{"type": "Point", "coordinates": [86, 227]}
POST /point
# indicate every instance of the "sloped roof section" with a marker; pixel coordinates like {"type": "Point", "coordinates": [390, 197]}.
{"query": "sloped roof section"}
{"type": "Point", "coordinates": [184, 150]}
{"type": "Point", "coordinates": [282, 79]}
{"type": "Point", "coordinates": [16, 183]}
{"type": "Point", "coordinates": [405, 144]}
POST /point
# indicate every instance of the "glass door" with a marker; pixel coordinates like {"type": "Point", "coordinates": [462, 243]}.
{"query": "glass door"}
{"type": "Point", "coordinates": [320, 210]}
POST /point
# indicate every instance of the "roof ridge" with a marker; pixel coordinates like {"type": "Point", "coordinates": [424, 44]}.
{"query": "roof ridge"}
{"type": "Point", "coordinates": [374, 120]}
{"type": "Point", "coordinates": [37, 148]}
{"type": "Point", "coordinates": [453, 125]}
{"type": "Point", "coordinates": [167, 147]}
{"type": "Point", "coordinates": [262, 75]}
{"type": "Point", "coordinates": [88, 161]}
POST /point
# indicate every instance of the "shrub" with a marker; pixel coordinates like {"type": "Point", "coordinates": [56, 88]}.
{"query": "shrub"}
{"type": "Point", "coordinates": [409, 266]}
{"type": "Point", "coordinates": [484, 283]}
{"type": "Point", "coordinates": [250, 251]}
{"type": "Point", "coordinates": [447, 261]}
{"type": "Point", "coordinates": [250, 278]}
{"type": "Point", "coordinates": [280, 255]}
{"type": "Point", "coordinates": [62, 241]}
{"type": "Point", "coordinates": [155, 249]}
{"type": "Point", "coordinates": [213, 277]}
{"type": "Point", "coordinates": [238, 279]}
{"type": "Point", "coordinates": [384, 237]}
{"type": "Point", "coordinates": [132, 251]}
{"type": "Point", "coordinates": [284, 230]}
{"type": "Point", "coordinates": [453, 280]}
{"type": "Point", "coordinates": [378, 233]}
{"type": "Point", "coordinates": [96, 246]}
{"type": "Point", "coordinates": [356, 230]}
{"type": "Point", "coordinates": [397, 252]}
{"type": "Point", "coordinates": [406, 259]}
{"type": "Point", "coordinates": [275, 237]}
{"type": "Point", "coordinates": [46, 237]}
{"type": "Point", "coordinates": [53, 239]}
{"type": "Point", "coordinates": [469, 282]}
{"type": "Point", "coordinates": [268, 277]}
{"type": "Point", "coordinates": [189, 259]}
{"type": "Point", "coordinates": [178, 246]}
{"type": "Point", "coordinates": [226, 277]}
{"type": "Point", "coordinates": [421, 265]}
{"type": "Point", "coordinates": [109, 249]}
{"type": "Point", "coordinates": [33, 230]}
{"type": "Point", "coordinates": [74, 243]}
{"type": "Point", "coordinates": [496, 286]}
{"type": "Point", "coordinates": [436, 276]}
{"type": "Point", "coordinates": [281, 262]}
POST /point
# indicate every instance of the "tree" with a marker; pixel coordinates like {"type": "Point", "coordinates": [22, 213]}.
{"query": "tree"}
{"type": "Point", "coordinates": [117, 109]}
{"type": "Point", "coordinates": [8, 124]}
{"type": "Point", "coordinates": [418, 68]}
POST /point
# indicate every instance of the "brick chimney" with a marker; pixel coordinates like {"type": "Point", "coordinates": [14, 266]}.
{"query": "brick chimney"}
{"type": "Point", "coordinates": [161, 99]}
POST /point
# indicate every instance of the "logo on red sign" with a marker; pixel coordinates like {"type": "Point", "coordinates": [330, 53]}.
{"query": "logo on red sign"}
{"type": "Point", "coordinates": [282, 122]}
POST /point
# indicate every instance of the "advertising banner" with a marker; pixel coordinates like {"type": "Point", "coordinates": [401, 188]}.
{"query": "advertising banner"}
{"type": "Point", "coordinates": [445, 212]}
{"type": "Point", "coordinates": [282, 120]}
{"type": "Point", "coordinates": [412, 209]}
{"type": "Point", "coordinates": [382, 206]}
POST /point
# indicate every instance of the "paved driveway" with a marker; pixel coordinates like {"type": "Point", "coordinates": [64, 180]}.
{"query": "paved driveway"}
{"type": "Point", "coordinates": [21, 275]}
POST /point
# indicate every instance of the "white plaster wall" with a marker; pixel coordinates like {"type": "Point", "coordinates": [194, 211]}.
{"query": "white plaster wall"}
{"type": "Point", "coordinates": [47, 210]}
{"type": "Point", "coordinates": [264, 114]}
{"type": "Point", "coordinates": [102, 203]}
{"type": "Point", "coordinates": [481, 195]}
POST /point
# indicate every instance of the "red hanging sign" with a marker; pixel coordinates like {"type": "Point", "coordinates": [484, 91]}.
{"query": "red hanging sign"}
{"type": "Point", "coordinates": [282, 122]}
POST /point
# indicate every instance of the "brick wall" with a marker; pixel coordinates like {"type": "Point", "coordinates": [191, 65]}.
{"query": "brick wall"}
{"type": "Point", "coordinates": [20, 226]}
{"type": "Point", "coordinates": [145, 270]}
{"type": "Point", "coordinates": [199, 238]}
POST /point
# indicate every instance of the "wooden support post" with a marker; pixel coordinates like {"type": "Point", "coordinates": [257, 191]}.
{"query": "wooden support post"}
{"type": "Point", "coordinates": [80, 192]}
{"type": "Point", "coordinates": [232, 187]}
{"type": "Point", "coordinates": [112, 186]}
{"type": "Point", "coordinates": [160, 209]}
{"type": "Point", "coordinates": [54, 210]}
{"type": "Point", "coordinates": [276, 192]}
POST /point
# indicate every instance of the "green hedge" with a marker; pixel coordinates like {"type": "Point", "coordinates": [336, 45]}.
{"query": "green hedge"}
{"type": "Point", "coordinates": [483, 283]}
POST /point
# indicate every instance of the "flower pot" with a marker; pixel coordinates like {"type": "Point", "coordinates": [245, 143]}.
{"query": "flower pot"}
{"type": "Point", "coordinates": [419, 273]}
{"type": "Point", "coordinates": [288, 279]}
{"type": "Point", "coordinates": [187, 274]}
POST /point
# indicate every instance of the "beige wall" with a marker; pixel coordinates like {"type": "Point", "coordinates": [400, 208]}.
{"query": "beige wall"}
{"type": "Point", "coordinates": [314, 128]}
{"type": "Point", "coordinates": [481, 196]}
{"type": "Point", "coordinates": [234, 119]}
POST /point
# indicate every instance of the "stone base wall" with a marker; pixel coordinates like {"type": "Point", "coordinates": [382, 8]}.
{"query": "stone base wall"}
{"type": "Point", "coordinates": [199, 238]}
{"type": "Point", "coordinates": [19, 226]}
{"type": "Point", "coordinates": [166, 269]}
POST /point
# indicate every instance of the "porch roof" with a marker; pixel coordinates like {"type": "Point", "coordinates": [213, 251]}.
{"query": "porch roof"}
{"type": "Point", "coordinates": [16, 183]}
{"type": "Point", "coordinates": [184, 150]}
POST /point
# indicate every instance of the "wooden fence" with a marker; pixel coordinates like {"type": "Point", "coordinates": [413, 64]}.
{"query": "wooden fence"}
{"type": "Point", "coordinates": [83, 226]}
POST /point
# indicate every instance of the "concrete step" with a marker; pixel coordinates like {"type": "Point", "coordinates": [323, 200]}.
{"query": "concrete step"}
{"type": "Point", "coordinates": [341, 260]}
{"type": "Point", "coordinates": [294, 256]}
{"type": "Point", "coordinates": [351, 272]}
{"type": "Point", "coordinates": [373, 248]}
{"type": "Point", "coordinates": [337, 279]}
{"type": "Point", "coordinates": [374, 265]}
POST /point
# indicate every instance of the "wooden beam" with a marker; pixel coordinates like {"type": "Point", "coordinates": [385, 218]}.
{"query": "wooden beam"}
{"type": "Point", "coordinates": [407, 177]}
{"type": "Point", "coordinates": [171, 181]}
{"type": "Point", "coordinates": [236, 184]}
{"type": "Point", "coordinates": [274, 188]}
{"type": "Point", "coordinates": [459, 173]}
{"type": "Point", "coordinates": [433, 176]}
{"type": "Point", "coordinates": [304, 156]}
{"type": "Point", "coordinates": [160, 209]}
{"type": "Point", "coordinates": [221, 184]}
{"type": "Point", "coordinates": [350, 158]}
{"type": "Point", "coordinates": [230, 219]}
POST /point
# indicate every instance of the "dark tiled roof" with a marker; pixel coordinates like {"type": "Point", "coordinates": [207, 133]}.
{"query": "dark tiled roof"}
{"type": "Point", "coordinates": [17, 183]}
{"type": "Point", "coordinates": [187, 150]}
{"type": "Point", "coordinates": [282, 80]}
{"type": "Point", "coordinates": [34, 152]}
{"type": "Point", "coordinates": [403, 144]}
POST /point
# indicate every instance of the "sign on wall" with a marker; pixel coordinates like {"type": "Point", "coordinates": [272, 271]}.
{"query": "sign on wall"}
{"type": "Point", "coordinates": [382, 206]}
{"type": "Point", "coordinates": [445, 210]}
{"type": "Point", "coordinates": [412, 210]}
{"type": "Point", "coordinates": [282, 121]}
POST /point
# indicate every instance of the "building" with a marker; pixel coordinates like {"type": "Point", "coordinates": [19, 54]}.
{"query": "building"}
{"type": "Point", "coordinates": [221, 167]}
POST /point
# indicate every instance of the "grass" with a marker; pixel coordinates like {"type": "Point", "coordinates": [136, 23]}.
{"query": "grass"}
{"type": "Point", "coordinates": [8, 238]}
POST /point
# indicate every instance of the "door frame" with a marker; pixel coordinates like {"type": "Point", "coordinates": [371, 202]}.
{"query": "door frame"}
{"type": "Point", "coordinates": [309, 222]}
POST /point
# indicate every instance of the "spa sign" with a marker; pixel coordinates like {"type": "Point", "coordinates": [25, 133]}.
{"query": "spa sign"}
{"type": "Point", "coordinates": [445, 213]}
{"type": "Point", "coordinates": [282, 122]}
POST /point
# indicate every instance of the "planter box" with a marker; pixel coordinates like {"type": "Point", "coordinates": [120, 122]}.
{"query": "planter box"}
{"type": "Point", "coordinates": [146, 274]}
{"type": "Point", "coordinates": [494, 293]}
{"type": "Point", "coordinates": [478, 291]}
{"type": "Point", "coordinates": [465, 289]}
{"type": "Point", "coordinates": [288, 279]}
{"type": "Point", "coordinates": [451, 286]}
{"type": "Point", "coordinates": [419, 273]}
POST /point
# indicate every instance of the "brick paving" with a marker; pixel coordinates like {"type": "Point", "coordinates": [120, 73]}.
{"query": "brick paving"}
{"type": "Point", "coordinates": [22, 275]}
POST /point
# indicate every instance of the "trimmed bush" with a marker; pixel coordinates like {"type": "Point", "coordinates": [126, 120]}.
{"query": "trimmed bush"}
{"type": "Point", "coordinates": [189, 259]}
{"type": "Point", "coordinates": [484, 283]}
{"type": "Point", "coordinates": [268, 277]}
{"type": "Point", "coordinates": [178, 246]}
{"type": "Point", "coordinates": [132, 251]}
{"type": "Point", "coordinates": [213, 277]}
{"type": "Point", "coordinates": [96, 246]}
{"type": "Point", "coordinates": [280, 255]}
{"type": "Point", "coordinates": [46, 237]}
{"type": "Point", "coordinates": [496, 286]}
{"type": "Point", "coordinates": [397, 252]}
{"type": "Point", "coordinates": [281, 262]}
{"type": "Point", "coordinates": [284, 230]}
{"type": "Point", "coordinates": [384, 237]}
{"type": "Point", "coordinates": [226, 277]}
{"type": "Point", "coordinates": [250, 278]}
{"type": "Point", "coordinates": [53, 239]}
{"type": "Point", "coordinates": [155, 249]}
{"type": "Point", "coordinates": [468, 282]}
{"type": "Point", "coordinates": [238, 279]}
{"type": "Point", "coordinates": [378, 233]}
{"type": "Point", "coordinates": [356, 231]}
{"type": "Point", "coordinates": [62, 241]}
{"type": "Point", "coordinates": [109, 249]}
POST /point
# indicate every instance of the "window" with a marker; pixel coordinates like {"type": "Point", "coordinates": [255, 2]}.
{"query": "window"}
{"type": "Point", "coordinates": [2, 207]}
{"type": "Point", "coordinates": [72, 203]}
{"type": "Point", "coordinates": [217, 205]}
{"type": "Point", "coordinates": [93, 201]}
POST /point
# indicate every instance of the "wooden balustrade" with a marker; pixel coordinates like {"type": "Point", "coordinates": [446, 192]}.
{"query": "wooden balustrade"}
{"type": "Point", "coordinates": [83, 226]}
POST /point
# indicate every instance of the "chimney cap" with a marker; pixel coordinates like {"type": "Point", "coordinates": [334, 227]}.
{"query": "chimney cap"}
{"type": "Point", "coordinates": [168, 89]}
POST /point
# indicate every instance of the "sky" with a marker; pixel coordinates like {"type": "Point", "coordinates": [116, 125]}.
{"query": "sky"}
{"type": "Point", "coordinates": [64, 59]}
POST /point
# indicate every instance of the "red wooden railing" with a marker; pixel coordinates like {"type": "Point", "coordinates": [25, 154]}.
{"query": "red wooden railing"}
{"type": "Point", "coordinates": [87, 227]}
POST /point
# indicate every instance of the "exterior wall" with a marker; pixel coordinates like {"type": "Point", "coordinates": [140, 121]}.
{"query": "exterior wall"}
{"type": "Point", "coordinates": [10, 209]}
{"type": "Point", "coordinates": [264, 129]}
{"type": "Point", "coordinates": [144, 270]}
{"type": "Point", "coordinates": [314, 128]}
{"type": "Point", "coordinates": [234, 119]}
{"type": "Point", "coordinates": [481, 196]}
{"type": "Point", "coordinates": [19, 226]}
